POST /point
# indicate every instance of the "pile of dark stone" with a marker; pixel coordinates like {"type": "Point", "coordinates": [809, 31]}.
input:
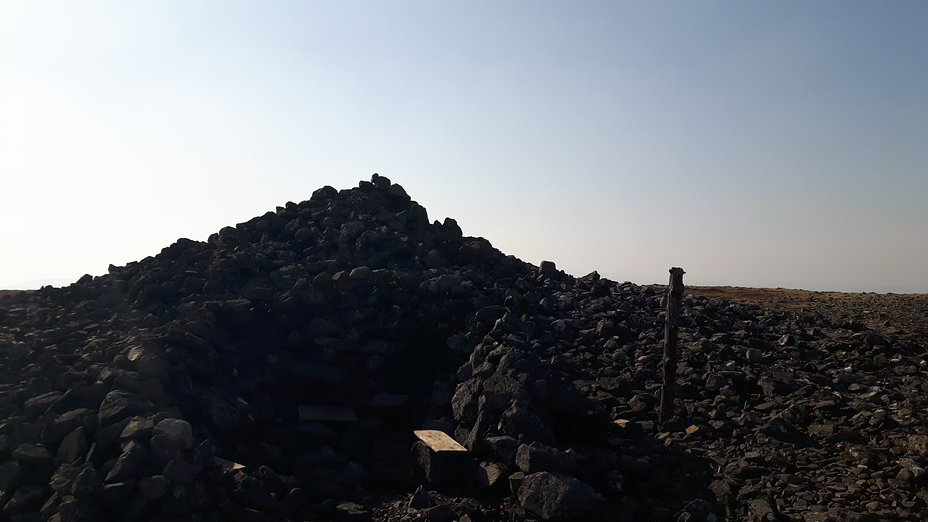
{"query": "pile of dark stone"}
{"type": "Point", "coordinates": [278, 372]}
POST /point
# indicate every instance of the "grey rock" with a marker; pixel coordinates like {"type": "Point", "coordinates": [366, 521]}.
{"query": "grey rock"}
{"type": "Point", "coordinates": [32, 455]}
{"type": "Point", "coordinates": [464, 401]}
{"type": "Point", "coordinates": [249, 492]}
{"type": "Point", "coordinates": [177, 470]}
{"type": "Point", "coordinates": [490, 474]}
{"type": "Point", "coordinates": [26, 498]}
{"type": "Point", "coordinates": [556, 496]}
{"type": "Point", "coordinates": [351, 512]}
{"type": "Point", "coordinates": [73, 447]}
{"type": "Point", "coordinates": [535, 457]}
{"type": "Point", "coordinates": [86, 483]}
{"type": "Point", "coordinates": [116, 493]}
{"type": "Point", "coordinates": [118, 405]}
{"type": "Point", "coordinates": [176, 433]}
{"type": "Point", "coordinates": [77, 509]}
{"type": "Point", "coordinates": [62, 479]}
{"type": "Point", "coordinates": [138, 428]}
{"type": "Point", "coordinates": [503, 447]}
{"type": "Point", "coordinates": [218, 412]}
{"type": "Point", "coordinates": [420, 499]}
{"type": "Point", "coordinates": [68, 422]}
{"type": "Point", "coordinates": [11, 473]}
{"type": "Point", "coordinates": [129, 464]}
{"type": "Point", "coordinates": [439, 513]}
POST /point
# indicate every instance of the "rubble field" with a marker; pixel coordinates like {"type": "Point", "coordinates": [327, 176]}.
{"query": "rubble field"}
{"type": "Point", "coordinates": [346, 358]}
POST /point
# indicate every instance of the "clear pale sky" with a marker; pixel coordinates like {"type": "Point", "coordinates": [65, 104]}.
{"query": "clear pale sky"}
{"type": "Point", "coordinates": [753, 143]}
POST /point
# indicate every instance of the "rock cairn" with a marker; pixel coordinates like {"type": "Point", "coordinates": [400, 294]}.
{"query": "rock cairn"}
{"type": "Point", "coordinates": [278, 372]}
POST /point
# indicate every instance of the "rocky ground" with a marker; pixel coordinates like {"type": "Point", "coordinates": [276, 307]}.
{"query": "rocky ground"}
{"type": "Point", "coordinates": [893, 313]}
{"type": "Point", "coordinates": [278, 370]}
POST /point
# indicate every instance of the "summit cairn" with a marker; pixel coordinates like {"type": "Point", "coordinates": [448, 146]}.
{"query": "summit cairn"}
{"type": "Point", "coordinates": [346, 358]}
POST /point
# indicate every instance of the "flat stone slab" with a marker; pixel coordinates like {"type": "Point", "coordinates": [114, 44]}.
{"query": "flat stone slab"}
{"type": "Point", "coordinates": [438, 441]}
{"type": "Point", "coordinates": [327, 413]}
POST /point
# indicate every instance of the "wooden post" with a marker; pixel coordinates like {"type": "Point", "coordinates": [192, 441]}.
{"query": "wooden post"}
{"type": "Point", "coordinates": [674, 295]}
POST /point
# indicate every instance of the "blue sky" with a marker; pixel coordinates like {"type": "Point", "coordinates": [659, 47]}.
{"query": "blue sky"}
{"type": "Point", "coordinates": [753, 143]}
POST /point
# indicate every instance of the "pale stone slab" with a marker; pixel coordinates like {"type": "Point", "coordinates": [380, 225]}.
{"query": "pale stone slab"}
{"type": "Point", "coordinates": [438, 440]}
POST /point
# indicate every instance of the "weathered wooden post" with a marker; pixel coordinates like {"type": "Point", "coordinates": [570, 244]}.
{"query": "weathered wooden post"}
{"type": "Point", "coordinates": [674, 295]}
